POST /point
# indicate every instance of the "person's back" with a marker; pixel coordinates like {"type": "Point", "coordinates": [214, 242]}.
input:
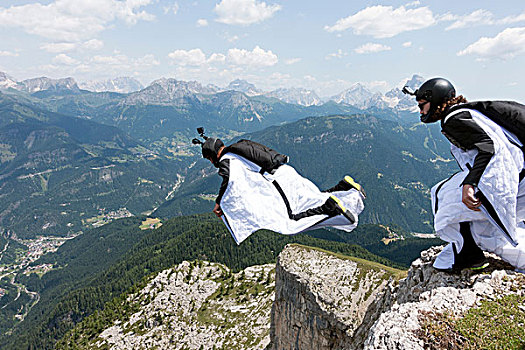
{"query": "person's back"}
{"type": "Point", "coordinates": [265, 157]}
{"type": "Point", "coordinates": [508, 114]}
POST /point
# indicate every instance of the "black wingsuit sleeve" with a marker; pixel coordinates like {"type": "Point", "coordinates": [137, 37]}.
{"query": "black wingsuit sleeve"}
{"type": "Point", "coordinates": [468, 135]}
{"type": "Point", "coordinates": [224, 172]}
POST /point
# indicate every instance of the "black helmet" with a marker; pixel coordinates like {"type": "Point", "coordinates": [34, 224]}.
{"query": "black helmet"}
{"type": "Point", "coordinates": [210, 149]}
{"type": "Point", "coordinates": [436, 91]}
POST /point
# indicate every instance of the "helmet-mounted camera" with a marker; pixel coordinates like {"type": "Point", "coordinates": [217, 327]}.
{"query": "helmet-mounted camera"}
{"type": "Point", "coordinates": [406, 91]}
{"type": "Point", "coordinates": [196, 141]}
{"type": "Point", "coordinates": [210, 147]}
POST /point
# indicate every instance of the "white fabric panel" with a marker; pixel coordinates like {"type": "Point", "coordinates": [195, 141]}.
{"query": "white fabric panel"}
{"type": "Point", "coordinates": [499, 183]}
{"type": "Point", "coordinates": [251, 201]}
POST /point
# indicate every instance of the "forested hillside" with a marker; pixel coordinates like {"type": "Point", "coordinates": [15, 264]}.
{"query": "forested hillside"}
{"type": "Point", "coordinates": [58, 173]}
{"type": "Point", "coordinates": [105, 262]}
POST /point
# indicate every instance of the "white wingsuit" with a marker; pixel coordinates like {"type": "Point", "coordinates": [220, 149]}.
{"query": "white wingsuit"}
{"type": "Point", "coordinates": [498, 227]}
{"type": "Point", "coordinates": [254, 201]}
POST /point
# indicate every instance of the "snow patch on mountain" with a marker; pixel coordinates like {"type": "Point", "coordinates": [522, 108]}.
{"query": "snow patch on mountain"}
{"type": "Point", "coordinates": [7, 81]}
{"type": "Point", "coordinates": [119, 84]}
{"type": "Point", "coordinates": [244, 87]}
{"type": "Point", "coordinates": [297, 96]}
{"type": "Point", "coordinates": [44, 83]}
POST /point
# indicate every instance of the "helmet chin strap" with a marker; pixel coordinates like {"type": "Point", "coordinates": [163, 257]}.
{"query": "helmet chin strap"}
{"type": "Point", "coordinates": [429, 116]}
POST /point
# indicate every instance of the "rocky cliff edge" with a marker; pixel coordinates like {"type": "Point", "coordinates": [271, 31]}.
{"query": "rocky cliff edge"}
{"type": "Point", "coordinates": [324, 301]}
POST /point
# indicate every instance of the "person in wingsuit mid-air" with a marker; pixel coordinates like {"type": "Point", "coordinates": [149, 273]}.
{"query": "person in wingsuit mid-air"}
{"type": "Point", "coordinates": [482, 207]}
{"type": "Point", "coordinates": [260, 191]}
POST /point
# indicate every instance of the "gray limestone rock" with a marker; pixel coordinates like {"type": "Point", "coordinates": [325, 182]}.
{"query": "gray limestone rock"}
{"type": "Point", "coordinates": [322, 300]}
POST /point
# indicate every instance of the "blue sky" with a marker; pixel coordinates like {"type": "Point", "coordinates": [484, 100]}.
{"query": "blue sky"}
{"type": "Point", "coordinates": [322, 45]}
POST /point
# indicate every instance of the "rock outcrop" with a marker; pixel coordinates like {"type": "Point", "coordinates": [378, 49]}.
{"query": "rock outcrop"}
{"type": "Point", "coordinates": [426, 290]}
{"type": "Point", "coordinates": [197, 305]}
{"type": "Point", "coordinates": [326, 302]}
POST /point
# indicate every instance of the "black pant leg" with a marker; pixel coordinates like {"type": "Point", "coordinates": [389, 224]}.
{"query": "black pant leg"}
{"type": "Point", "coordinates": [470, 254]}
{"type": "Point", "coordinates": [328, 208]}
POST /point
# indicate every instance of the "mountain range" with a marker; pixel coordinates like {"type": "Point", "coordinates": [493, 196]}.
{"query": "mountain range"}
{"type": "Point", "coordinates": [96, 267]}
{"type": "Point", "coordinates": [357, 95]}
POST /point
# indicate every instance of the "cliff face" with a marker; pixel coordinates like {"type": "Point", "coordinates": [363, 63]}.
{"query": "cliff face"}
{"type": "Point", "coordinates": [323, 301]}
{"type": "Point", "coordinates": [326, 302]}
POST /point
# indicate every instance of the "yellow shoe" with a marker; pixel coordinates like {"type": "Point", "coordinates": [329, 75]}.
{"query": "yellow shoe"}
{"type": "Point", "coordinates": [340, 208]}
{"type": "Point", "coordinates": [355, 185]}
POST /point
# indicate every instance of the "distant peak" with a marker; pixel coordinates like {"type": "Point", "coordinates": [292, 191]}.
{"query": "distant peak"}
{"type": "Point", "coordinates": [7, 81]}
{"type": "Point", "coordinates": [45, 83]}
{"type": "Point", "coordinates": [239, 81]}
{"type": "Point", "coordinates": [243, 86]}
{"type": "Point", "coordinates": [415, 81]}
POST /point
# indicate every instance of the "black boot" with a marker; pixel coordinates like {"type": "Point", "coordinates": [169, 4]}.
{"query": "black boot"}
{"type": "Point", "coordinates": [346, 184]}
{"type": "Point", "coordinates": [470, 256]}
{"type": "Point", "coordinates": [333, 206]}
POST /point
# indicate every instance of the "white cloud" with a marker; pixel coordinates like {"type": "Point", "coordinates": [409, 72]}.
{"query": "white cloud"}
{"type": "Point", "coordinates": [338, 54]}
{"type": "Point", "coordinates": [93, 44]}
{"type": "Point", "coordinates": [292, 60]}
{"type": "Point", "coordinates": [256, 58]}
{"type": "Point", "coordinates": [477, 18]}
{"type": "Point", "coordinates": [193, 57]}
{"type": "Point", "coordinates": [513, 19]}
{"type": "Point", "coordinates": [73, 20]}
{"type": "Point", "coordinates": [244, 12]}
{"type": "Point", "coordinates": [376, 85]}
{"type": "Point", "coordinates": [234, 57]}
{"type": "Point", "coordinates": [98, 67]}
{"type": "Point", "coordinates": [413, 4]}
{"type": "Point", "coordinates": [201, 22]}
{"type": "Point", "coordinates": [217, 58]}
{"type": "Point", "coordinates": [407, 44]}
{"type": "Point", "coordinates": [385, 21]}
{"type": "Point", "coordinates": [8, 54]}
{"type": "Point", "coordinates": [506, 45]}
{"type": "Point", "coordinates": [172, 8]}
{"type": "Point", "coordinates": [58, 47]}
{"type": "Point", "coordinates": [371, 48]}
{"type": "Point", "coordinates": [63, 59]}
